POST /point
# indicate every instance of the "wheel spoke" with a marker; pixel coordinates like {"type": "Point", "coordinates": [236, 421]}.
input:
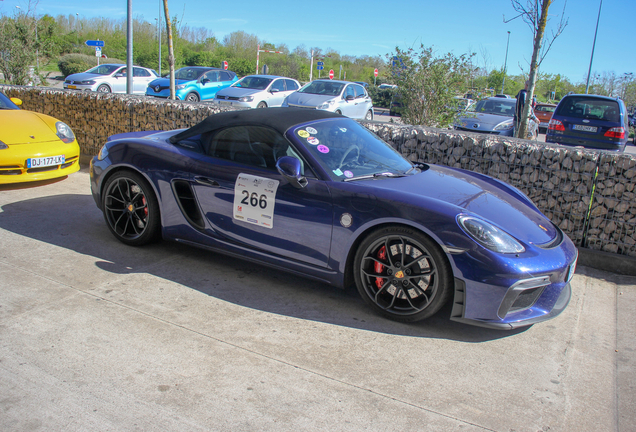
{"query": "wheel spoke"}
{"type": "Point", "coordinates": [417, 260]}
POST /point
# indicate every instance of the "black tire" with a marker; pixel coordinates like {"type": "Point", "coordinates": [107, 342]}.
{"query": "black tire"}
{"type": "Point", "coordinates": [369, 116]}
{"type": "Point", "coordinates": [404, 287]}
{"type": "Point", "coordinates": [103, 88]}
{"type": "Point", "coordinates": [131, 209]}
{"type": "Point", "coordinates": [192, 97]}
{"type": "Point", "coordinates": [261, 104]}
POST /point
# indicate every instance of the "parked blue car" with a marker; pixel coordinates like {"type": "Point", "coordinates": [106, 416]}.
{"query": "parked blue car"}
{"type": "Point", "coordinates": [592, 121]}
{"type": "Point", "coordinates": [193, 83]}
{"type": "Point", "coordinates": [316, 194]}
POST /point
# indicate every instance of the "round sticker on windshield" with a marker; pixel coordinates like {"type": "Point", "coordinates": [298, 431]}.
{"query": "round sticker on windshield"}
{"type": "Point", "coordinates": [303, 133]}
{"type": "Point", "coordinates": [323, 149]}
{"type": "Point", "coordinates": [311, 130]}
{"type": "Point", "coordinates": [313, 140]}
{"type": "Point", "coordinates": [348, 174]}
{"type": "Point", "coordinates": [343, 129]}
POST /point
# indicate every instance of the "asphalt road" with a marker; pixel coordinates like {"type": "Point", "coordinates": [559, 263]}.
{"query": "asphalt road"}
{"type": "Point", "coordinates": [98, 336]}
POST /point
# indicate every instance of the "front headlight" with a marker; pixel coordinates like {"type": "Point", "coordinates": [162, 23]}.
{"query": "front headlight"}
{"type": "Point", "coordinates": [64, 132]}
{"type": "Point", "coordinates": [246, 99]}
{"type": "Point", "coordinates": [507, 125]}
{"type": "Point", "coordinates": [88, 82]}
{"type": "Point", "coordinates": [103, 153]}
{"type": "Point", "coordinates": [180, 86]}
{"type": "Point", "coordinates": [326, 105]}
{"type": "Point", "coordinates": [488, 235]}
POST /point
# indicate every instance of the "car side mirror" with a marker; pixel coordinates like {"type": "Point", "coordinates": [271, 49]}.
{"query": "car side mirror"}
{"type": "Point", "coordinates": [119, 75]}
{"type": "Point", "coordinates": [274, 91]}
{"type": "Point", "coordinates": [16, 101]}
{"type": "Point", "coordinates": [350, 97]}
{"type": "Point", "coordinates": [289, 167]}
{"type": "Point", "coordinates": [205, 81]}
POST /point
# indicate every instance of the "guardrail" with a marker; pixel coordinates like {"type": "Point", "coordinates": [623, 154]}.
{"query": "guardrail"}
{"type": "Point", "coordinates": [590, 195]}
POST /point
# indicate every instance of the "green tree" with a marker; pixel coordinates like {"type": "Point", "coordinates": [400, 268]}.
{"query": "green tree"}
{"type": "Point", "coordinates": [427, 84]}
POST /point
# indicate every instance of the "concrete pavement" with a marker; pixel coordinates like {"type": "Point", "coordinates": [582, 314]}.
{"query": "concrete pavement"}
{"type": "Point", "coordinates": [95, 335]}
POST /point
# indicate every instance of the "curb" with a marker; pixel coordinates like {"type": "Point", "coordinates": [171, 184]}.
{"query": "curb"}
{"type": "Point", "coordinates": [599, 260]}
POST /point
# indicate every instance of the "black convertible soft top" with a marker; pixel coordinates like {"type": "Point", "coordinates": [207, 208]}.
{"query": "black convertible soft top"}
{"type": "Point", "coordinates": [279, 119]}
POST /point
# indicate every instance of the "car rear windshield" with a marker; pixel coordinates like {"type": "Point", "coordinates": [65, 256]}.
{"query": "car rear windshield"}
{"type": "Point", "coordinates": [589, 108]}
{"type": "Point", "coordinates": [323, 88]}
{"type": "Point", "coordinates": [544, 108]}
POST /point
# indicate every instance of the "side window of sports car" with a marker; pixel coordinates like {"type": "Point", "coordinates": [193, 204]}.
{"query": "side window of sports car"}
{"type": "Point", "coordinates": [249, 145]}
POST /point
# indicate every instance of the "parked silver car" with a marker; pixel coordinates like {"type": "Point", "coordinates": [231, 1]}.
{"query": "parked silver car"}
{"type": "Point", "coordinates": [257, 91]}
{"type": "Point", "coordinates": [493, 115]}
{"type": "Point", "coordinates": [110, 78]}
{"type": "Point", "coordinates": [342, 97]}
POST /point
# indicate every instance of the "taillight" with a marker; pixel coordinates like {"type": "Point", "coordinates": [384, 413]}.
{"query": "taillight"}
{"type": "Point", "coordinates": [616, 132]}
{"type": "Point", "coordinates": [556, 125]}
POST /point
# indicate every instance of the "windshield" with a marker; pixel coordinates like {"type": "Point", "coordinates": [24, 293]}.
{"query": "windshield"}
{"type": "Point", "coordinates": [326, 88]}
{"type": "Point", "coordinates": [498, 106]}
{"type": "Point", "coordinates": [104, 69]}
{"type": "Point", "coordinates": [189, 74]}
{"type": "Point", "coordinates": [6, 103]}
{"type": "Point", "coordinates": [347, 150]}
{"type": "Point", "coordinates": [251, 82]}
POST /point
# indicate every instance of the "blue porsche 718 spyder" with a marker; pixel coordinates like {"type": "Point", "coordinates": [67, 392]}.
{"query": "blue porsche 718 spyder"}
{"type": "Point", "coordinates": [317, 194]}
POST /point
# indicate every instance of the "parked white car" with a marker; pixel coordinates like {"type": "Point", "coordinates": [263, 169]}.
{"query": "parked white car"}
{"type": "Point", "coordinates": [257, 91]}
{"type": "Point", "coordinates": [110, 78]}
{"type": "Point", "coordinates": [342, 97]}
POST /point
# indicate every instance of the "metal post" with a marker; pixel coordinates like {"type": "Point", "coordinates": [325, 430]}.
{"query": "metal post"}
{"type": "Point", "coordinates": [311, 67]}
{"type": "Point", "coordinates": [505, 65]}
{"type": "Point", "coordinates": [159, 33]}
{"type": "Point", "coordinates": [587, 85]}
{"type": "Point", "coordinates": [258, 50]}
{"type": "Point", "coordinates": [129, 50]}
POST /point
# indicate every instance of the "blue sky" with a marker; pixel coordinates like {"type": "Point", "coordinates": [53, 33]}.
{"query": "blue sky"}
{"type": "Point", "coordinates": [374, 27]}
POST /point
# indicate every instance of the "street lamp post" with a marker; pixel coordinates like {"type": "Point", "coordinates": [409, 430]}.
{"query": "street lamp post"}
{"type": "Point", "coordinates": [587, 85]}
{"type": "Point", "coordinates": [505, 65]}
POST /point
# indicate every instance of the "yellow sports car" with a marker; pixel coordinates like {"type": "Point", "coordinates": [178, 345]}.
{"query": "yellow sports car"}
{"type": "Point", "coordinates": [34, 146]}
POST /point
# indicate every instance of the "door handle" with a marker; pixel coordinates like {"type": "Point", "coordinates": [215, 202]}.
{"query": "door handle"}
{"type": "Point", "coordinates": [206, 181]}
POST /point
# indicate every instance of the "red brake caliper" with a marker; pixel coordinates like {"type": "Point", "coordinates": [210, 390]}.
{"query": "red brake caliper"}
{"type": "Point", "coordinates": [379, 268]}
{"type": "Point", "coordinates": [143, 200]}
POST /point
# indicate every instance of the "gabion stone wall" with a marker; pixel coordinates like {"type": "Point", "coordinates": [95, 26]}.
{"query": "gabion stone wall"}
{"type": "Point", "coordinates": [589, 194]}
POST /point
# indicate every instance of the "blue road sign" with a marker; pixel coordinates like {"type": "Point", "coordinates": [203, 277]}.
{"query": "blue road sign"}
{"type": "Point", "coordinates": [320, 63]}
{"type": "Point", "coordinates": [319, 67]}
{"type": "Point", "coordinates": [95, 43]}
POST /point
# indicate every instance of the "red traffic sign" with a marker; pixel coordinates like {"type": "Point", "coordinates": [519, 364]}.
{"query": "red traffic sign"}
{"type": "Point", "coordinates": [225, 65]}
{"type": "Point", "coordinates": [375, 72]}
{"type": "Point", "coordinates": [331, 74]}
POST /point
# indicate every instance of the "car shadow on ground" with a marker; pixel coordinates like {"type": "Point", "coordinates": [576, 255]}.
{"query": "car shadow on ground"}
{"type": "Point", "coordinates": [73, 222]}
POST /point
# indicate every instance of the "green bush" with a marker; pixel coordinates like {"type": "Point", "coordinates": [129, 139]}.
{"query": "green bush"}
{"type": "Point", "coordinates": [76, 63]}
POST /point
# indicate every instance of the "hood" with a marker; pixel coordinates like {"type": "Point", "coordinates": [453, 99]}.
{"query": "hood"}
{"type": "Point", "coordinates": [485, 121]}
{"type": "Point", "coordinates": [308, 99]}
{"type": "Point", "coordinates": [238, 92]}
{"type": "Point", "coordinates": [478, 195]}
{"type": "Point", "coordinates": [85, 76]}
{"type": "Point", "coordinates": [27, 127]}
{"type": "Point", "coordinates": [165, 82]}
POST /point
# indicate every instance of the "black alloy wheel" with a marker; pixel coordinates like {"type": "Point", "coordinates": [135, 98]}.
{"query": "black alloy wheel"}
{"type": "Point", "coordinates": [402, 273]}
{"type": "Point", "coordinates": [130, 209]}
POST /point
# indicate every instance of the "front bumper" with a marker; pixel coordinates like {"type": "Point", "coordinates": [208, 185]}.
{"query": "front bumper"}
{"type": "Point", "coordinates": [84, 87]}
{"type": "Point", "coordinates": [538, 291]}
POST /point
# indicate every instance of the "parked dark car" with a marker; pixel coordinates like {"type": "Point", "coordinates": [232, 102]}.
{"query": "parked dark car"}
{"type": "Point", "coordinates": [591, 121]}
